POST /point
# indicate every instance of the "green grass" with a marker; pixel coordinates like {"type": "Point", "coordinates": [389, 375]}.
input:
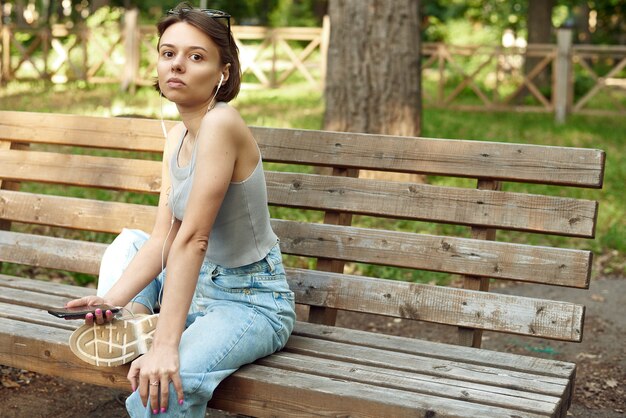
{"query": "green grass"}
{"type": "Point", "coordinates": [302, 106]}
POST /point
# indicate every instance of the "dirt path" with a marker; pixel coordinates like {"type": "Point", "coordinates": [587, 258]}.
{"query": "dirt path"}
{"type": "Point", "coordinates": [600, 384]}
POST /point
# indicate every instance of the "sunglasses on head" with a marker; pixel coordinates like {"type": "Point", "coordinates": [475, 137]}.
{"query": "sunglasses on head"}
{"type": "Point", "coordinates": [215, 14]}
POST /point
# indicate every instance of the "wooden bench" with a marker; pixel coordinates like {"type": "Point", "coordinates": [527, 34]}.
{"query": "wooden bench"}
{"type": "Point", "coordinates": [68, 184]}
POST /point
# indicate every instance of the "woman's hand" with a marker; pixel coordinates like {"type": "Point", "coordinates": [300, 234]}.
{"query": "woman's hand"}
{"type": "Point", "coordinates": [100, 317]}
{"type": "Point", "coordinates": [152, 374]}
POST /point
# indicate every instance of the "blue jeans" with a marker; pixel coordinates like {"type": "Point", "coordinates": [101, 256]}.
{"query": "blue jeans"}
{"type": "Point", "coordinates": [237, 315]}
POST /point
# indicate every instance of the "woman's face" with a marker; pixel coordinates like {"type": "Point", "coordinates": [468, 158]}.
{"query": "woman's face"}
{"type": "Point", "coordinates": [189, 65]}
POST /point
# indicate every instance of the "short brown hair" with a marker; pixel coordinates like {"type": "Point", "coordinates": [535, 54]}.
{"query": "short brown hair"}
{"type": "Point", "coordinates": [219, 33]}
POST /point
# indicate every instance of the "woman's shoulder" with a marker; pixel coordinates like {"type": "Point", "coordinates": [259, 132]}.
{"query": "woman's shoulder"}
{"type": "Point", "coordinates": [224, 114]}
{"type": "Point", "coordinates": [226, 120]}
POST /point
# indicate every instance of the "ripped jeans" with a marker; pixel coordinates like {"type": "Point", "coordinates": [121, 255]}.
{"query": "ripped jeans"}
{"type": "Point", "coordinates": [237, 315]}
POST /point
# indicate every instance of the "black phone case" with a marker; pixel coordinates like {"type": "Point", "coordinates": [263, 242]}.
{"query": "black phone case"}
{"type": "Point", "coordinates": [79, 313]}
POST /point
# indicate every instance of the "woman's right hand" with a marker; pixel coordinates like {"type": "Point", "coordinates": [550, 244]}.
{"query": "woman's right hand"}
{"type": "Point", "coordinates": [99, 317]}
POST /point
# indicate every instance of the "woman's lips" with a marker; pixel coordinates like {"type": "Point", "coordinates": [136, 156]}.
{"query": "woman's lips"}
{"type": "Point", "coordinates": [175, 82]}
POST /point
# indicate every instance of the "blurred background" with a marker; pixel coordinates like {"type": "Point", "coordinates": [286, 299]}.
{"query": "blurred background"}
{"type": "Point", "coordinates": [546, 72]}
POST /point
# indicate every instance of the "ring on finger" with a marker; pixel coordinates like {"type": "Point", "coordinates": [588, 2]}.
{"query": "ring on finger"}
{"type": "Point", "coordinates": [154, 383]}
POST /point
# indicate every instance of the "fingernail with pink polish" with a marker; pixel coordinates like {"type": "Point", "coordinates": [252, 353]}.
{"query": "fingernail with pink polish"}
{"type": "Point", "coordinates": [89, 316]}
{"type": "Point", "coordinates": [155, 411]}
{"type": "Point", "coordinates": [98, 311]}
{"type": "Point", "coordinates": [180, 401]}
{"type": "Point", "coordinates": [163, 410]}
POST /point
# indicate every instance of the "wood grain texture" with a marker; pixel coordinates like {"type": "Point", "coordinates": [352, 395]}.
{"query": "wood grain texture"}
{"type": "Point", "coordinates": [75, 213]}
{"type": "Point", "coordinates": [81, 170]}
{"type": "Point", "coordinates": [475, 159]}
{"type": "Point", "coordinates": [445, 305]}
{"type": "Point", "coordinates": [502, 210]}
{"type": "Point", "coordinates": [132, 134]}
{"type": "Point", "coordinates": [499, 260]}
{"type": "Point", "coordinates": [57, 253]}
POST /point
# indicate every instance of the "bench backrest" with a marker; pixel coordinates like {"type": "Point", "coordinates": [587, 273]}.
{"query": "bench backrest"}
{"type": "Point", "coordinates": [68, 183]}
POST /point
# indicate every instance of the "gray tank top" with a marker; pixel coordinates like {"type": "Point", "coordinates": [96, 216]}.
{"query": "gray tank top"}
{"type": "Point", "coordinates": [241, 233]}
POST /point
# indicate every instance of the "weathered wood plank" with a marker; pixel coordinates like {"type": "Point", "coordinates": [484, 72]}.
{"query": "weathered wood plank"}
{"type": "Point", "coordinates": [75, 213]}
{"type": "Point", "coordinates": [131, 134]}
{"type": "Point", "coordinates": [499, 260]}
{"type": "Point", "coordinates": [475, 159]}
{"type": "Point", "coordinates": [33, 299]}
{"type": "Point", "coordinates": [444, 305]}
{"type": "Point", "coordinates": [48, 288]}
{"type": "Point", "coordinates": [81, 170]}
{"type": "Point", "coordinates": [412, 346]}
{"type": "Point", "coordinates": [58, 253]}
{"type": "Point", "coordinates": [426, 365]}
{"type": "Point", "coordinates": [502, 210]}
{"type": "Point", "coordinates": [442, 386]}
{"type": "Point", "coordinates": [29, 315]}
{"type": "Point", "coordinates": [294, 394]}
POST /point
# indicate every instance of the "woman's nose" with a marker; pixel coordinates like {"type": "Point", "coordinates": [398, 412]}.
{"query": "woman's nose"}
{"type": "Point", "coordinates": [177, 66]}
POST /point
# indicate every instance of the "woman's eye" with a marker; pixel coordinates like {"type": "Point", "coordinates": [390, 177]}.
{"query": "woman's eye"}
{"type": "Point", "coordinates": [167, 54]}
{"type": "Point", "coordinates": [196, 57]}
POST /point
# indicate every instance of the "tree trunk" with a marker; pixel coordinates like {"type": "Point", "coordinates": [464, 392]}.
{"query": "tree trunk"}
{"type": "Point", "coordinates": [539, 32]}
{"type": "Point", "coordinates": [373, 81]}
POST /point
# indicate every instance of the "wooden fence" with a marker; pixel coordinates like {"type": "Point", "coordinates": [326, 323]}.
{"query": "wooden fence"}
{"type": "Point", "coordinates": [583, 79]}
{"type": "Point", "coordinates": [269, 57]}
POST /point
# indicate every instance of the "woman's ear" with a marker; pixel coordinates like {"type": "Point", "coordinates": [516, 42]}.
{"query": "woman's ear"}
{"type": "Point", "coordinates": [226, 72]}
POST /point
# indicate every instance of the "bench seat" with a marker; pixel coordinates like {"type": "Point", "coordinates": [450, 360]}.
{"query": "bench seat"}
{"type": "Point", "coordinates": [346, 369]}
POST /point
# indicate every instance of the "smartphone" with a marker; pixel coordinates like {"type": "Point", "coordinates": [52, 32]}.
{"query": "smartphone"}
{"type": "Point", "coordinates": [79, 312]}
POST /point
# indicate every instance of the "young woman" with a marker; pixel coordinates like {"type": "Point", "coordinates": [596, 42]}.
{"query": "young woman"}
{"type": "Point", "coordinates": [223, 297]}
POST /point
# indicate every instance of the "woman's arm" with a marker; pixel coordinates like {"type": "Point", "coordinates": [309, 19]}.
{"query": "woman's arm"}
{"type": "Point", "coordinates": [217, 153]}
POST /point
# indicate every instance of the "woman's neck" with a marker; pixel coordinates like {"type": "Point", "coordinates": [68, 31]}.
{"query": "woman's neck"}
{"type": "Point", "coordinates": [192, 117]}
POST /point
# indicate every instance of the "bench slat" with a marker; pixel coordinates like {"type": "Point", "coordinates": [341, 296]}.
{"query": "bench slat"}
{"type": "Point", "coordinates": [81, 170]}
{"type": "Point", "coordinates": [444, 305]}
{"type": "Point", "coordinates": [436, 350]}
{"type": "Point", "coordinates": [47, 288]}
{"type": "Point", "coordinates": [476, 159]}
{"type": "Point", "coordinates": [443, 387]}
{"type": "Point", "coordinates": [243, 394]}
{"type": "Point", "coordinates": [555, 266]}
{"type": "Point", "coordinates": [502, 210]}
{"type": "Point", "coordinates": [85, 214]}
{"type": "Point", "coordinates": [456, 371]}
{"type": "Point", "coordinates": [501, 161]}
{"type": "Point", "coordinates": [130, 134]}
{"type": "Point", "coordinates": [49, 252]}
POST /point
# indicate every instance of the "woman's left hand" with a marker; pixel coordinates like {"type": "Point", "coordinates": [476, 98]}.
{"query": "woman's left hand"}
{"type": "Point", "coordinates": [152, 373]}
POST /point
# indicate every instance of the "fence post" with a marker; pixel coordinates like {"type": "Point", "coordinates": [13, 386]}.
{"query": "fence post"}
{"type": "Point", "coordinates": [131, 49]}
{"type": "Point", "coordinates": [562, 74]}
{"type": "Point", "coordinates": [5, 71]}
